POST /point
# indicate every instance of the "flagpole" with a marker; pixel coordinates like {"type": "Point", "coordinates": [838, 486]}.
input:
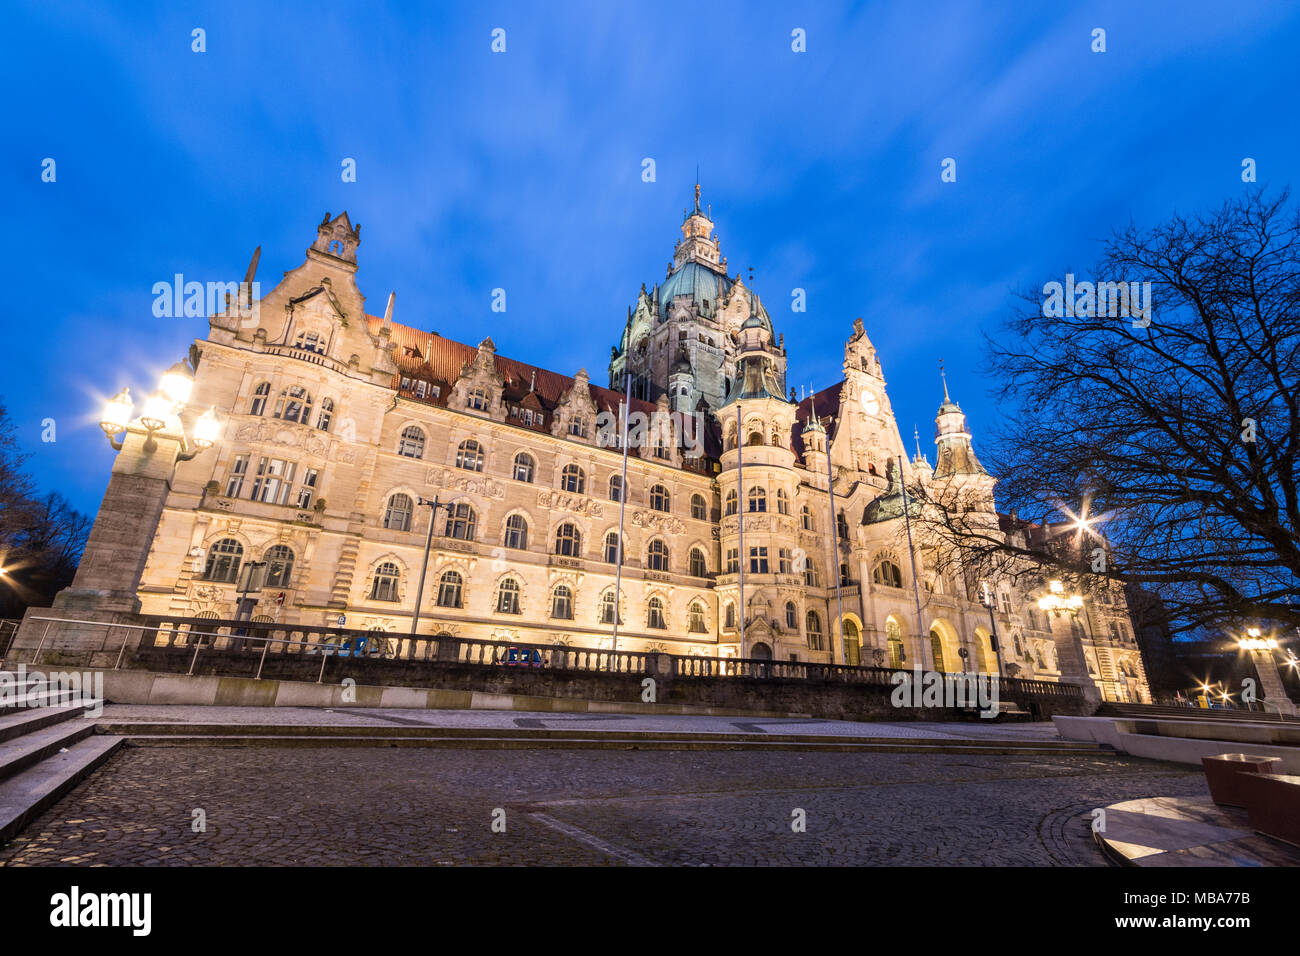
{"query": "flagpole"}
{"type": "Point", "coordinates": [740, 523]}
{"type": "Point", "coordinates": [622, 509]}
{"type": "Point", "coordinates": [911, 551]}
{"type": "Point", "coordinates": [835, 553]}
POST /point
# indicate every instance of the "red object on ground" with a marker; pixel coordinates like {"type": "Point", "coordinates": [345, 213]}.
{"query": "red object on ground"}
{"type": "Point", "coordinates": [1224, 772]}
{"type": "Point", "coordinates": [1273, 802]}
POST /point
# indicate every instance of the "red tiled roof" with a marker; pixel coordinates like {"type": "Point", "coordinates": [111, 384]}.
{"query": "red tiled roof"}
{"type": "Point", "coordinates": [429, 356]}
{"type": "Point", "coordinates": [826, 405]}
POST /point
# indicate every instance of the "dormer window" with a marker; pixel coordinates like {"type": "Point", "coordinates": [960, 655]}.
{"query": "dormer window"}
{"type": "Point", "coordinates": [310, 342]}
{"type": "Point", "coordinates": [478, 400]}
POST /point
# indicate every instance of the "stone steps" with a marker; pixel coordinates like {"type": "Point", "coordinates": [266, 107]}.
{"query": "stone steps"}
{"type": "Point", "coordinates": [47, 747]}
{"type": "Point", "coordinates": [30, 793]}
{"type": "Point", "coordinates": [145, 734]}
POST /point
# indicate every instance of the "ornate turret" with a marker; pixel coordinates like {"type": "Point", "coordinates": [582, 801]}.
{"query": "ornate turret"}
{"type": "Point", "coordinates": [956, 456]}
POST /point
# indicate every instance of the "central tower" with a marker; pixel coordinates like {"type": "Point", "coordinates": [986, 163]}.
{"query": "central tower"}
{"type": "Point", "coordinates": [681, 338]}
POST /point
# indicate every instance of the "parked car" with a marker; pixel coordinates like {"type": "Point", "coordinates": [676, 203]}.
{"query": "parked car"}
{"type": "Point", "coordinates": [521, 657]}
{"type": "Point", "coordinates": [364, 646]}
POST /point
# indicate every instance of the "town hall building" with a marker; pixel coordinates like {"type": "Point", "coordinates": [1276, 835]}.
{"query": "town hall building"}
{"type": "Point", "coordinates": [755, 523]}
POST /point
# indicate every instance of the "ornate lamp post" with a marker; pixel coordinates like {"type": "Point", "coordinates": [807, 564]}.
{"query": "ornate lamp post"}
{"type": "Point", "coordinates": [149, 447]}
{"type": "Point", "coordinates": [1261, 651]}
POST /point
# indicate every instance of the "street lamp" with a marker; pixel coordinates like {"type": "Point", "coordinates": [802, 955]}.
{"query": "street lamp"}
{"type": "Point", "coordinates": [1260, 649]}
{"type": "Point", "coordinates": [161, 412]}
{"type": "Point", "coordinates": [434, 505]}
{"type": "Point", "coordinates": [989, 599]}
{"type": "Point", "coordinates": [1055, 601]}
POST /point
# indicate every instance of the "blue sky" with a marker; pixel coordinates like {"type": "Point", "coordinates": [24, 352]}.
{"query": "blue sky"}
{"type": "Point", "coordinates": [522, 170]}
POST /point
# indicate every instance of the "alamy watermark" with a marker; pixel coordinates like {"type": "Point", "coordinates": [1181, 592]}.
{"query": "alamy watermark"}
{"type": "Point", "coordinates": [24, 688]}
{"type": "Point", "coordinates": [180, 299]}
{"type": "Point", "coordinates": [653, 433]}
{"type": "Point", "coordinates": [1089, 300]}
{"type": "Point", "coordinates": [917, 688]}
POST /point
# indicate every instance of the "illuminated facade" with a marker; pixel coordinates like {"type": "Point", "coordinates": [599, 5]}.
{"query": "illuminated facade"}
{"type": "Point", "coordinates": [339, 423]}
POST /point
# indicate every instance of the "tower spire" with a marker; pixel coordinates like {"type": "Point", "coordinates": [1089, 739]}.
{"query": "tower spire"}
{"type": "Point", "coordinates": [944, 376]}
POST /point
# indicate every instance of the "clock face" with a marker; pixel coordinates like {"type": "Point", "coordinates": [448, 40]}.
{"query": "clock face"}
{"type": "Point", "coordinates": [870, 404]}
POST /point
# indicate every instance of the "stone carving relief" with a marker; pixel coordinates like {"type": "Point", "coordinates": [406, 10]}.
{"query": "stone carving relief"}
{"type": "Point", "coordinates": [472, 484]}
{"type": "Point", "coordinates": [571, 504]}
{"type": "Point", "coordinates": [654, 521]}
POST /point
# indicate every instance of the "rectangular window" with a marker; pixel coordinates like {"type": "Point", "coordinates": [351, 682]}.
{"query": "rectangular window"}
{"type": "Point", "coordinates": [235, 484]}
{"type": "Point", "coordinates": [308, 488]}
{"type": "Point", "coordinates": [274, 481]}
{"type": "Point", "coordinates": [758, 560]}
{"type": "Point", "coordinates": [783, 559]}
{"type": "Point", "coordinates": [733, 561]}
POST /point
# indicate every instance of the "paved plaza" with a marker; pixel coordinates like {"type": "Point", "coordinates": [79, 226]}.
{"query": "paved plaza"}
{"type": "Point", "coordinates": [266, 805]}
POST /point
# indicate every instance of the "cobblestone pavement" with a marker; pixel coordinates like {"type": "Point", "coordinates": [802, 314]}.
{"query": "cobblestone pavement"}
{"type": "Point", "coordinates": [269, 806]}
{"type": "Point", "coordinates": [619, 722]}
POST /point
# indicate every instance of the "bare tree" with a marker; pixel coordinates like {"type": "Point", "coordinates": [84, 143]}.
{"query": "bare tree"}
{"type": "Point", "coordinates": [1174, 434]}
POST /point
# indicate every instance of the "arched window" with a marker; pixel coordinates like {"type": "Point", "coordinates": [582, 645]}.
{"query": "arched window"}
{"type": "Point", "coordinates": [732, 499]}
{"type": "Point", "coordinates": [791, 616]}
{"type": "Point", "coordinates": [755, 438]}
{"type": "Point", "coordinates": [562, 603]}
{"type": "Point", "coordinates": [294, 405]}
{"type": "Point", "coordinates": [699, 509]}
{"type": "Point", "coordinates": [616, 488]}
{"type": "Point", "coordinates": [852, 644]}
{"type": "Point", "coordinates": [260, 395]}
{"type": "Point", "coordinates": [782, 502]}
{"type": "Point", "coordinates": [449, 589]}
{"type": "Point", "coordinates": [523, 467]}
{"type": "Point", "coordinates": [460, 522]}
{"type": "Point", "coordinates": [841, 526]}
{"type": "Point", "coordinates": [573, 479]}
{"type": "Point", "coordinates": [806, 518]}
{"type": "Point", "coordinates": [223, 561]}
{"type": "Point", "coordinates": [612, 555]}
{"type": "Point", "coordinates": [657, 556]}
{"type": "Point", "coordinates": [695, 618]}
{"type": "Point", "coordinates": [412, 443]}
{"type": "Point", "coordinates": [699, 565]}
{"type": "Point", "coordinates": [655, 615]}
{"type": "Point", "coordinates": [508, 597]}
{"type": "Point", "coordinates": [279, 566]}
{"type": "Point", "coordinates": [397, 517]}
{"type": "Point", "coordinates": [516, 532]}
{"type": "Point", "coordinates": [729, 616]}
{"type": "Point", "coordinates": [385, 587]}
{"type": "Point", "coordinates": [894, 640]}
{"type": "Point", "coordinates": [326, 414]}
{"type": "Point", "coordinates": [757, 499]}
{"type": "Point", "coordinates": [659, 498]}
{"type": "Point", "coordinates": [607, 608]}
{"type": "Point", "coordinates": [469, 455]}
{"type": "Point", "coordinates": [936, 650]}
{"type": "Point", "coordinates": [886, 573]}
{"type": "Point", "coordinates": [813, 628]}
{"type": "Point", "coordinates": [568, 542]}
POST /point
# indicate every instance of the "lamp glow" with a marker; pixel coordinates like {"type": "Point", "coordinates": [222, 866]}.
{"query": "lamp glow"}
{"type": "Point", "coordinates": [117, 413]}
{"type": "Point", "coordinates": [207, 429]}
{"type": "Point", "coordinates": [177, 383]}
{"type": "Point", "coordinates": [157, 409]}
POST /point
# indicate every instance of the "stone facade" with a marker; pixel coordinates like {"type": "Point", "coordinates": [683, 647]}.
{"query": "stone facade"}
{"type": "Point", "coordinates": [339, 425]}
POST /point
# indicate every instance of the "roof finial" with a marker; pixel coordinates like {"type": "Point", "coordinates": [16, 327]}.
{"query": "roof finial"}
{"type": "Point", "coordinates": [916, 433]}
{"type": "Point", "coordinates": [697, 189]}
{"type": "Point", "coordinates": [532, 384]}
{"type": "Point", "coordinates": [945, 382]}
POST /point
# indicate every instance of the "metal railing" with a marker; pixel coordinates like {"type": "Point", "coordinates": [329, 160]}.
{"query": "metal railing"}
{"type": "Point", "coordinates": [160, 639]}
